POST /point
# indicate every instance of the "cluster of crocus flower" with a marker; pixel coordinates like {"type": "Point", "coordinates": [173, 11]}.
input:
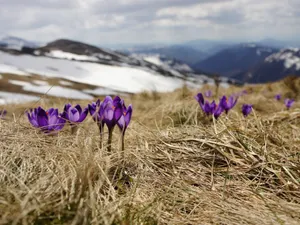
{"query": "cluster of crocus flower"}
{"type": "Point", "coordinates": [225, 104]}
{"type": "Point", "coordinates": [109, 112]}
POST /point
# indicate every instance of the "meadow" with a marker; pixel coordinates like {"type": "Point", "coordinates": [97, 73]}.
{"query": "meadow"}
{"type": "Point", "coordinates": [179, 166]}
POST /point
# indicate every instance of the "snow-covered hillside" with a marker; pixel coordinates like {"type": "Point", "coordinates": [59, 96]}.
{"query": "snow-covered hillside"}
{"type": "Point", "coordinates": [167, 63]}
{"type": "Point", "coordinates": [127, 79]}
{"type": "Point", "coordinates": [16, 43]}
{"type": "Point", "coordinates": [70, 69]}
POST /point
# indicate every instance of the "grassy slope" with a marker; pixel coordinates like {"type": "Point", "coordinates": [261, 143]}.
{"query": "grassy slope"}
{"type": "Point", "coordinates": [181, 168]}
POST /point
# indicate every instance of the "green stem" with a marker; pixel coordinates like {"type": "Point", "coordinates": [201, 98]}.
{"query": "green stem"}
{"type": "Point", "coordinates": [109, 140]}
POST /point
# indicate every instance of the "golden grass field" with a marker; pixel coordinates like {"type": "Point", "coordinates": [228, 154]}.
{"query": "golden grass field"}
{"type": "Point", "coordinates": [180, 167]}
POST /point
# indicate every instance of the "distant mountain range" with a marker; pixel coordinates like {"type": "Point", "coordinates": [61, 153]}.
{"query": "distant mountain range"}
{"type": "Point", "coordinates": [183, 53]}
{"type": "Point", "coordinates": [274, 67]}
{"type": "Point", "coordinates": [235, 59]}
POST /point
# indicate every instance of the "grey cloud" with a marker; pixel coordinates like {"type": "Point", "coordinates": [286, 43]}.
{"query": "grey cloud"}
{"type": "Point", "coordinates": [101, 21]}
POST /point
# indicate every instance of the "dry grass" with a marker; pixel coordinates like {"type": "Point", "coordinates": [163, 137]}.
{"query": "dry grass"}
{"type": "Point", "coordinates": [179, 168]}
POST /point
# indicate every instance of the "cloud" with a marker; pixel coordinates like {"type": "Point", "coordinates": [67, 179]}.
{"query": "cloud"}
{"type": "Point", "coordinates": [145, 21]}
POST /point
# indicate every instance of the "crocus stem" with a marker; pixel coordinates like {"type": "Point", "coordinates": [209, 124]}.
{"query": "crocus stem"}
{"type": "Point", "coordinates": [101, 134]}
{"type": "Point", "coordinates": [74, 128]}
{"type": "Point", "coordinates": [109, 140]}
{"type": "Point", "coordinates": [123, 144]}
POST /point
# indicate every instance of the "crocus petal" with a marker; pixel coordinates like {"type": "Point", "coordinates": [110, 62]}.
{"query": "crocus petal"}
{"type": "Point", "coordinates": [116, 100]}
{"type": "Point", "coordinates": [78, 107]}
{"type": "Point", "coordinates": [118, 111]}
{"type": "Point", "coordinates": [218, 111]}
{"type": "Point", "coordinates": [52, 111]}
{"type": "Point", "coordinates": [59, 124]}
{"type": "Point", "coordinates": [32, 119]}
{"type": "Point", "coordinates": [42, 118]}
{"type": "Point", "coordinates": [199, 98]}
{"type": "Point", "coordinates": [207, 108]}
{"type": "Point", "coordinates": [83, 115]}
{"type": "Point", "coordinates": [67, 107]}
{"type": "Point", "coordinates": [121, 123]}
{"type": "Point", "coordinates": [74, 115]}
{"type": "Point", "coordinates": [128, 115]}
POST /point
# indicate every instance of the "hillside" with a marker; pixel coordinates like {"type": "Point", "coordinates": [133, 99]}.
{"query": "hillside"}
{"type": "Point", "coordinates": [234, 60]}
{"type": "Point", "coordinates": [183, 53]}
{"type": "Point", "coordinates": [75, 70]}
{"type": "Point", "coordinates": [179, 167]}
{"type": "Point", "coordinates": [274, 67]}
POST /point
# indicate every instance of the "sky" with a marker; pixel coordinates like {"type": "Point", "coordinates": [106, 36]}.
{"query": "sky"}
{"type": "Point", "coordinates": [108, 22]}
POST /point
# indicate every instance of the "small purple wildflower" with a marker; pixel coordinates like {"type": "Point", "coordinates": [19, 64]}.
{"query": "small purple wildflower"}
{"type": "Point", "coordinates": [278, 97]}
{"type": "Point", "coordinates": [3, 114]}
{"type": "Point", "coordinates": [288, 103]}
{"type": "Point", "coordinates": [208, 93]}
{"type": "Point", "coordinates": [246, 109]}
{"type": "Point", "coordinates": [228, 104]}
{"type": "Point", "coordinates": [74, 114]}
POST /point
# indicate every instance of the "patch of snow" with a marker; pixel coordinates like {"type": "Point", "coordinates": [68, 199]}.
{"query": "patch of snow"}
{"type": "Point", "coordinates": [37, 52]}
{"type": "Point", "coordinates": [66, 83]}
{"type": "Point", "coordinates": [18, 82]}
{"type": "Point", "coordinates": [287, 56]}
{"type": "Point", "coordinates": [10, 97]}
{"type": "Point", "coordinates": [126, 79]}
{"type": "Point", "coordinates": [57, 91]}
{"type": "Point", "coordinates": [100, 91]}
{"type": "Point", "coordinates": [292, 61]}
{"type": "Point", "coordinates": [154, 59]}
{"type": "Point", "coordinates": [101, 56]}
{"type": "Point", "coordinates": [4, 68]}
{"type": "Point", "coordinates": [67, 55]}
{"type": "Point", "coordinates": [40, 82]}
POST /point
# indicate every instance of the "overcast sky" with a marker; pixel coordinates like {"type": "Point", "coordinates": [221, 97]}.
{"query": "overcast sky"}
{"type": "Point", "coordinates": [148, 21]}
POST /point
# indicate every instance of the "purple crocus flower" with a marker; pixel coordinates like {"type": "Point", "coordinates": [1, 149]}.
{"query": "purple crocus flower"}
{"type": "Point", "coordinates": [3, 113]}
{"type": "Point", "coordinates": [124, 121]}
{"type": "Point", "coordinates": [48, 121]}
{"type": "Point", "coordinates": [74, 114]}
{"type": "Point", "coordinates": [94, 110]}
{"type": "Point", "coordinates": [125, 118]}
{"type": "Point", "coordinates": [288, 103]}
{"type": "Point", "coordinates": [208, 94]}
{"type": "Point", "coordinates": [228, 104]}
{"type": "Point", "coordinates": [278, 97]}
{"type": "Point", "coordinates": [112, 111]}
{"type": "Point", "coordinates": [246, 109]}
